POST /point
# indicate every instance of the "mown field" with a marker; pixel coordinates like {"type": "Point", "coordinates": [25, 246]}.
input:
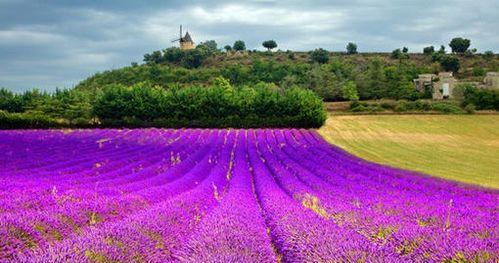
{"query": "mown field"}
{"type": "Point", "coordinates": [192, 195]}
{"type": "Point", "coordinates": [458, 147]}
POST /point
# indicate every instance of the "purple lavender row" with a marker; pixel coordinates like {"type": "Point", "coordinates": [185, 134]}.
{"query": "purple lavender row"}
{"type": "Point", "coordinates": [235, 231]}
{"type": "Point", "coordinates": [53, 191]}
{"type": "Point", "coordinates": [302, 234]}
{"type": "Point", "coordinates": [85, 213]}
{"type": "Point", "coordinates": [152, 234]}
{"type": "Point", "coordinates": [263, 195]}
{"type": "Point", "coordinates": [403, 225]}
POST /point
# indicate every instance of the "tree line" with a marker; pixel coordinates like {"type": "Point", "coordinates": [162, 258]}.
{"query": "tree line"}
{"type": "Point", "coordinates": [145, 105]}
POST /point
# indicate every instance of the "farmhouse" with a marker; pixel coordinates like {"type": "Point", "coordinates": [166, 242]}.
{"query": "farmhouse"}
{"type": "Point", "coordinates": [491, 80]}
{"type": "Point", "coordinates": [443, 84]}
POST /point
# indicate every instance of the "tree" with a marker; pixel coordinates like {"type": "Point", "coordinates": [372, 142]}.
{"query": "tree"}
{"type": "Point", "coordinates": [269, 44]}
{"type": "Point", "coordinates": [351, 48]}
{"type": "Point", "coordinates": [437, 56]}
{"type": "Point", "coordinates": [227, 48]}
{"type": "Point", "coordinates": [320, 56]}
{"type": "Point", "coordinates": [211, 45]}
{"type": "Point", "coordinates": [349, 91]}
{"type": "Point", "coordinates": [194, 58]}
{"type": "Point", "coordinates": [459, 44]}
{"type": "Point", "coordinates": [397, 53]}
{"type": "Point", "coordinates": [405, 50]}
{"type": "Point", "coordinates": [450, 63]}
{"type": "Point", "coordinates": [239, 45]}
{"type": "Point", "coordinates": [154, 57]}
{"type": "Point", "coordinates": [429, 50]}
{"type": "Point", "coordinates": [173, 54]}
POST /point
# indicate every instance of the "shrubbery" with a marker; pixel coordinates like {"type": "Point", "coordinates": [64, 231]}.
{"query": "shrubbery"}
{"type": "Point", "coordinates": [220, 105]}
{"type": "Point", "coordinates": [28, 121]}
{"type": "Point", "coordinates": [480, 99]}
{"type": "Point", "coordinates": [448, 107]}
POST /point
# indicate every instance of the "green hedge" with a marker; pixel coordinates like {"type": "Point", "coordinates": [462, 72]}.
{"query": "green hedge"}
{"type": "Point", "coordinates": [481, 99]}
{"type": "Point", "coordinates": [27, 121]}
{"type": "Point", "coordinates": [447, 107]}
{"type": "Point", "coordinates": [218, 106]}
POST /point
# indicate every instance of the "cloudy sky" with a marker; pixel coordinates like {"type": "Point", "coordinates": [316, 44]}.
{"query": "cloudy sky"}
{"type": "Point", "coordinates": [49, 44]}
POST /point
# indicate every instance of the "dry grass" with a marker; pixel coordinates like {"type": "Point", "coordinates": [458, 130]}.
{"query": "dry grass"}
{"type": "Point", "coordinates": [457, 147]}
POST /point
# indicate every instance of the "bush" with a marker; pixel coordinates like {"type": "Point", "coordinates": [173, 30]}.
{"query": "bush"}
{"type": "Point", "coordinates": [239, 45]}
{"type": "Point", "coordinates": [443, 107]}
{"type": "Point", "coordinates": [220, 105]}
{"type": "Point", "coordinates": [407, 106]}
{"type": "Point", "coordinates": [400, 54]}
{"type": "Point", "coordinates": [351, 48]}
{"type": "Point", "coordinates": [470, 108]}
{"type": "Point", "coordinates": [459, 44]}
{"type": "Point", "coordinates": [482, 99]}
{"type": "Point", "coordinates": [478, 72]}
{"type": "Point", "coordinates": [320, 56]}
{"type": "Point", "coordinates": [269, 44]}
{"type": "Point", "coordinates": [28, 121]}
{"type": "Point", "coordinates": [429, 50]}
{"type": "Point", "coordinates": [450, 63]}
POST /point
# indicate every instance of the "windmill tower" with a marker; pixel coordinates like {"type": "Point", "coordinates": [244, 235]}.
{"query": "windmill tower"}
{"type": "Point", "coordinates": [185, 41]}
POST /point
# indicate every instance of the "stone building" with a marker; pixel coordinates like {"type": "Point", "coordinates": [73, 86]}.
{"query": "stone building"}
{"type": "Point", "coordinates": [491, 80]}
{"type": "Point", "coordinates": [441, 84]}
{"type": "Point", "coordinates": [424, 81]}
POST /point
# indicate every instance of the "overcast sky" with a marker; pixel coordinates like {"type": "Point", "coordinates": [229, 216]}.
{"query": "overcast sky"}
{"type": "Point", "coordinates": [49, 44]}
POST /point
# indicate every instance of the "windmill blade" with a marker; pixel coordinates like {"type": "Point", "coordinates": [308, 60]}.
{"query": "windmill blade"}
{"type": "Point", "coordinates": [175, 40]}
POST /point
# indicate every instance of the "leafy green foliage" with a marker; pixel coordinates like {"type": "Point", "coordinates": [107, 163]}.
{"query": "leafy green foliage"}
{"type": "Point", "coordinates": [269, 44]}
{"type": "Point", "coordinates": [320, 56]}
{"type": "Point", "coordinates": [481, 99]}
{"type": "Point", "coordinates": [349, 91]}
{"type": "Point", "coordinates": [448, 107]}
{"type": "Point", "coordinates": [210, 45]}
{"type": "Point", "coordinates": [220, 105]}
{"type": "Point", "coordinates": [450, 63]}
{"type": "Point", "coordinates": [459, 44]}
{"type": "Point", "coordinates": [478, 72]}
{"type": "Point", "coordinates": [429, 50]}
{"type": "Point", "coordinates": [351, 48]}
{"type": "Point", "coordinates": [239, 45]}
{"type": "Point", "coordinates": [27, 121]}
{"type": "Point", "coordinates": [400, 54]}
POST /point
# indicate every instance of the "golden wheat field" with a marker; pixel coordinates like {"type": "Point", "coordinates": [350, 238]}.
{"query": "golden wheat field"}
{"type": "Point", "coordinates": [457, 147]}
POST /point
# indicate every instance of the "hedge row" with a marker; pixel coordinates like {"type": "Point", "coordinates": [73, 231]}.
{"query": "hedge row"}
{"type": "Point", "coordinates": [447, 107]}
{"type": "Point", "coordinates": [218, 106]}
{"type": "Point", "coordinates": [27, 120]}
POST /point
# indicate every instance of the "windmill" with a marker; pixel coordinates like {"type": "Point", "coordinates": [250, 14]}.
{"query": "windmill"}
{"type": "Point", "coordinates": [185, 41]}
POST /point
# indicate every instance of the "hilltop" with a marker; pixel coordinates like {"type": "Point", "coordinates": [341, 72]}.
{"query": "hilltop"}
{"type": "Point", "coordinates": [376, 75]}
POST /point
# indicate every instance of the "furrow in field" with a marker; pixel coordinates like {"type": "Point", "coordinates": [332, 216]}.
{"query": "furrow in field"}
{"type": "Point", "coordinates": [151, 234]}
{"type": "Point", "coordinates": [235, 230]}
{"type": "Point", "coordinates": [303, 234]}
{"type": "Point", "coordinates": [90, 212]}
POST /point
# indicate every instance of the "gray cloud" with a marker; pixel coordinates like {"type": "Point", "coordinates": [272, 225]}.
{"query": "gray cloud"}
{"type": "Point", "coordinates": [58, 43]}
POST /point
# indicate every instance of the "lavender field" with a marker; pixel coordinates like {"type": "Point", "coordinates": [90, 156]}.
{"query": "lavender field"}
{"type": "Point", "coordinates": [192, 195]}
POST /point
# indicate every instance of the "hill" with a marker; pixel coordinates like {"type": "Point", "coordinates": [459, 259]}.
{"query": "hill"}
{"type": "Point", "coordinates": [376, 75]}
